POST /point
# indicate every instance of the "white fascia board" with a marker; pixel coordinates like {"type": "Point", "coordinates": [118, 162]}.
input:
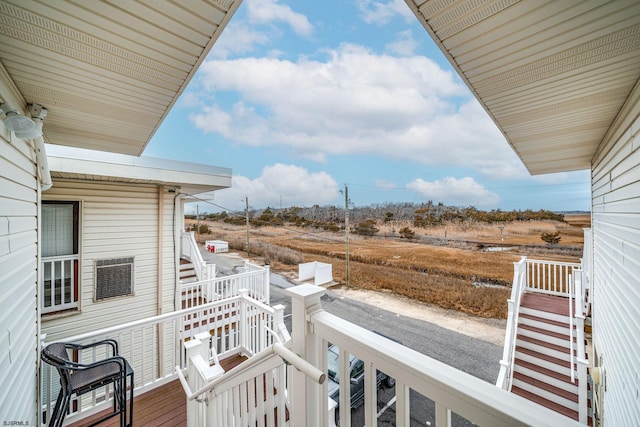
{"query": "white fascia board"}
{"type": "Point", "coordinates": [84, 164]}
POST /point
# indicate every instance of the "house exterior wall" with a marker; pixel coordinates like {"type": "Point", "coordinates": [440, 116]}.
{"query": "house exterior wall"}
{"type": "Point", "coordinates": [118, 220]}
{"type": "Point", "coordinates": [616, 266]}
{"type": "Point", "coordinates": [19, 210]}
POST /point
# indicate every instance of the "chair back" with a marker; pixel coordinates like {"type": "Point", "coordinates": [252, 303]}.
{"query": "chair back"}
{"type": "Point", "coordinates": [56, 355]}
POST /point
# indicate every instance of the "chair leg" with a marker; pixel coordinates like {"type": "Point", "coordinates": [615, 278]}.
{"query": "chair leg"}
{"type": "Point", "coordinates": [123, 400]}
{"type": "Point", "coordinates": [130, 400]}
{"type": "Point", "coordinates": [60, 410]}
{"type": "Point", "coordinates": [53, 416]}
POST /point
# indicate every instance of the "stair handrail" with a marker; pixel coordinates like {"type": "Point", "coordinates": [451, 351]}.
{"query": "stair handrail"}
{"type": "Point", "coordinates": [586, 266]}
{"type": "Point", "coordinates": [235, 375]}
{"type": "Point", "coordinates": [572, 297]}
{"type": "Point", "coordinates": [581, 361]}
{"type": "Point", "coordinates": [189, 250]}
{"type": "Point", "coordinates": [505, 375]}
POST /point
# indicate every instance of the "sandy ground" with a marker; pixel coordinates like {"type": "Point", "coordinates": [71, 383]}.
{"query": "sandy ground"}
{"type": "Point", "coordinates": [491, 330]}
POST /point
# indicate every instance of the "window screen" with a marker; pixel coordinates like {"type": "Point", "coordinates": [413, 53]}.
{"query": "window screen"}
{"type": "Point", "coordinates": [114, 278]}
{"type": "Point", "coordinates": [59, 228]}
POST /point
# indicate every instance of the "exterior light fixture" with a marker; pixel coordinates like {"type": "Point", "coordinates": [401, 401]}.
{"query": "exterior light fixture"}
{"type": "Point", "coordinates": [16, 122]}
{"type": "Point", "coordinates": [38, 113]}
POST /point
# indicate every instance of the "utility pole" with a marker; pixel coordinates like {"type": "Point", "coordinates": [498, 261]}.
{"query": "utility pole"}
{"type": "Point", "coordinates": [346, 227]}
{"type": "Point", "coordinates": [501, 227]}
{"type": "Point", "coordinates": [246, 214]}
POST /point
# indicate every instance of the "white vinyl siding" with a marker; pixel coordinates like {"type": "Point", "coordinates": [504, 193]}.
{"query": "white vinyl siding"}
{"type": "Point", "coordinates": [117, 221]}
{"type": "Point", "coordinates": [18, 280]}
{"type": "Point", "coordinates": [616, 263]}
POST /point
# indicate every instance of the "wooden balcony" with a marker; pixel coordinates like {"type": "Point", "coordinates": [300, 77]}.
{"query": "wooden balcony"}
{"type": "Point", "coordinates": [162, 406]}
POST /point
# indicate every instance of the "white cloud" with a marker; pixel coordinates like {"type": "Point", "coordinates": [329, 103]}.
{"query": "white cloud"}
{"type": "Point", "coordinates": [294, 185]}
{"type": "Point", "coordinates": [270, 11]}
{"type": "Point", "coordinates": [451, 191]}
{"type": "Point", "coordinates": [237, 39]}
{"type": "Point", "coordinates": [381, 12]}
{"type": "Point", "coordinates": [356, 102]}
{"type": "Point", "coordinates": [404, 45]}
{"type": "Point", "coordinates": [241, 37]}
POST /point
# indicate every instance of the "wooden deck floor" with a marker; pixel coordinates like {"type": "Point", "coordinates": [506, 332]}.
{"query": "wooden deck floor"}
{"type": "Point", "coordinates": [162, 406]}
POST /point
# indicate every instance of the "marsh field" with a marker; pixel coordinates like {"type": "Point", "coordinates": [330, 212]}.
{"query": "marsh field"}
{"type": "Point", "coordinates": [466, 267]}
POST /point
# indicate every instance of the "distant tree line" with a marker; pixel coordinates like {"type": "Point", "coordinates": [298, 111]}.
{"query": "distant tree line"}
{"type": "Point", "coordinates": [365, 219]}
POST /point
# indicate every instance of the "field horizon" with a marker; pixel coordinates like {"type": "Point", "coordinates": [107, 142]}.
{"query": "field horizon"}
{"type": "Point", "coordinates": [466, 267]}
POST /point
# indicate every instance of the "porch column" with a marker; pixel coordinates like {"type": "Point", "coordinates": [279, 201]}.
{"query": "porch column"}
{"type": "Point", "coordinates": [305, 394]}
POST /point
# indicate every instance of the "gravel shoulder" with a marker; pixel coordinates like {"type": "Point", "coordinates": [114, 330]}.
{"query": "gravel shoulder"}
{"type": "Point", "coordinates": [490, 330]}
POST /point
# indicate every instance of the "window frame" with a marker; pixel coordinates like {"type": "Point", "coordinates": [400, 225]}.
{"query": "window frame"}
{"type": "Point", "coordinates": [74, 258]}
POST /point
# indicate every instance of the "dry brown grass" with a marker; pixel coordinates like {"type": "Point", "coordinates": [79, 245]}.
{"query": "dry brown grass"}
{"type": "Point", "coordinates": [514, 233]}
{"type": "Point", "coordinates": [450, 277]}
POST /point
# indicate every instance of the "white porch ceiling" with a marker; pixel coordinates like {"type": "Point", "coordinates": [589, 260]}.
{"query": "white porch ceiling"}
{"type": "Point", "coordinates": [553, 75]}
{"type": "Point", "coordinates": [107, 71]}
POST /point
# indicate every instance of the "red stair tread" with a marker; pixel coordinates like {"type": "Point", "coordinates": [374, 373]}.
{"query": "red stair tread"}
{"type": "Point", "coordinates": [544, 344]}
{"type": "Point", "coordinates": [546, 403]}
{"type": "Point", "coordinates": [545, 357]}
{"type": "Point", "coordinates": [548, 303]}
{"type": "Point", "coordinates": [546, 386]}
{"type": "Point", "coordinates": [541, 370]}
{"type": "Point", "coordinates": [544, 331]}
{"type": "Point", "coordinates": [547, 321]}
{"type": "Point", "coordinates": [551, 405]}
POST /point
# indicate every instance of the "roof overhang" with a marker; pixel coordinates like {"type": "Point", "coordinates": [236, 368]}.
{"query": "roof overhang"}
{"type": "Point", "coordinates": [553, 75]}
{"type": "Point", "coordinates": [90, 165]}
{"type": "Point", "coordinates": [108, 72]}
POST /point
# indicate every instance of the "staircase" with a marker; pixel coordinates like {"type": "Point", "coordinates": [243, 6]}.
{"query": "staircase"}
{"type": "Point", "coordinates": [187, 272]}
{"type": "Point", "coordinates": [542, 364]}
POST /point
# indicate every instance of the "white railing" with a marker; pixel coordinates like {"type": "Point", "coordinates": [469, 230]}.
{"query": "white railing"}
{"type": "Point", "coordinates": [572, 332]}
{"type": "Point", "coordinates": [189, 250]}
{"type": "Point", "coordinates": [153, 346]}
{"type": "Point", "coordinates": [587, 266]}
{"type": "Point", "coordinates": [252, 393]}
{"type": "Point", "coordinates": [255, 279]}
{"type": "Point", "coordinates": [549, 277]}
{"type": "Point", "coordinates": [451, 390]}
{"type": "Point", "coordinates": [554, 278]}
{"type": "Point", "coordinates": [579, 361]}
{"type": "Point", "coordinates": [59, 283]}
{"type": "Point", "coordinates": [513, 303]}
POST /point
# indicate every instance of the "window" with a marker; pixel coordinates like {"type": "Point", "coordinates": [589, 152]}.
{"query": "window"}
{"type": "Point", "coordinates": [59, 267]}
{"type": "Point", "coordinates": [114, 278]}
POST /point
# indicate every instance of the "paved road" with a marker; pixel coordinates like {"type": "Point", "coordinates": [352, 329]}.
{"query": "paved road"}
{"type": "Point", "coordinates": [473, 356]}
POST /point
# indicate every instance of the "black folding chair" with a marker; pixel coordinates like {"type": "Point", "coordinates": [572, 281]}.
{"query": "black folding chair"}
{"type": "Point", "coordinates": [78, 378]}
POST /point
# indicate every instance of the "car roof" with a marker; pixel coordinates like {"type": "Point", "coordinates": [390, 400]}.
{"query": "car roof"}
{"type": "Point", "coordinates": [336, 350]}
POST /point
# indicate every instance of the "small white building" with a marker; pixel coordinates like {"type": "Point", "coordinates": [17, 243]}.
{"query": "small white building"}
{"type": "Point", "coordinates": [111, 227]}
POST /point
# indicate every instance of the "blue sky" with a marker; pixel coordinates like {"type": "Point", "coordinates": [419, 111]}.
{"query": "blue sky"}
{"type": "Point", "coordinates": [302, 97]}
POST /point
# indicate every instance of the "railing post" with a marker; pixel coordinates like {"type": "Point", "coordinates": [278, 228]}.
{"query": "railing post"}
{"type": "Point", "coordinates": [193, 348]}
{"type": "Point", "coordinates": [306, 407]}
{"type": "Point", "coordinates": [266, 287]}
{"type": "Point", "coordinates": [278, 323]}
{"type": "Point", "coordinates": [580, 362]}
{"type": "Point", "coordinates": [210, 271]}
{"type": "Point", "coordinates": [582, 365]}
{"type": "Point", "coordinates": [244, 323]}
